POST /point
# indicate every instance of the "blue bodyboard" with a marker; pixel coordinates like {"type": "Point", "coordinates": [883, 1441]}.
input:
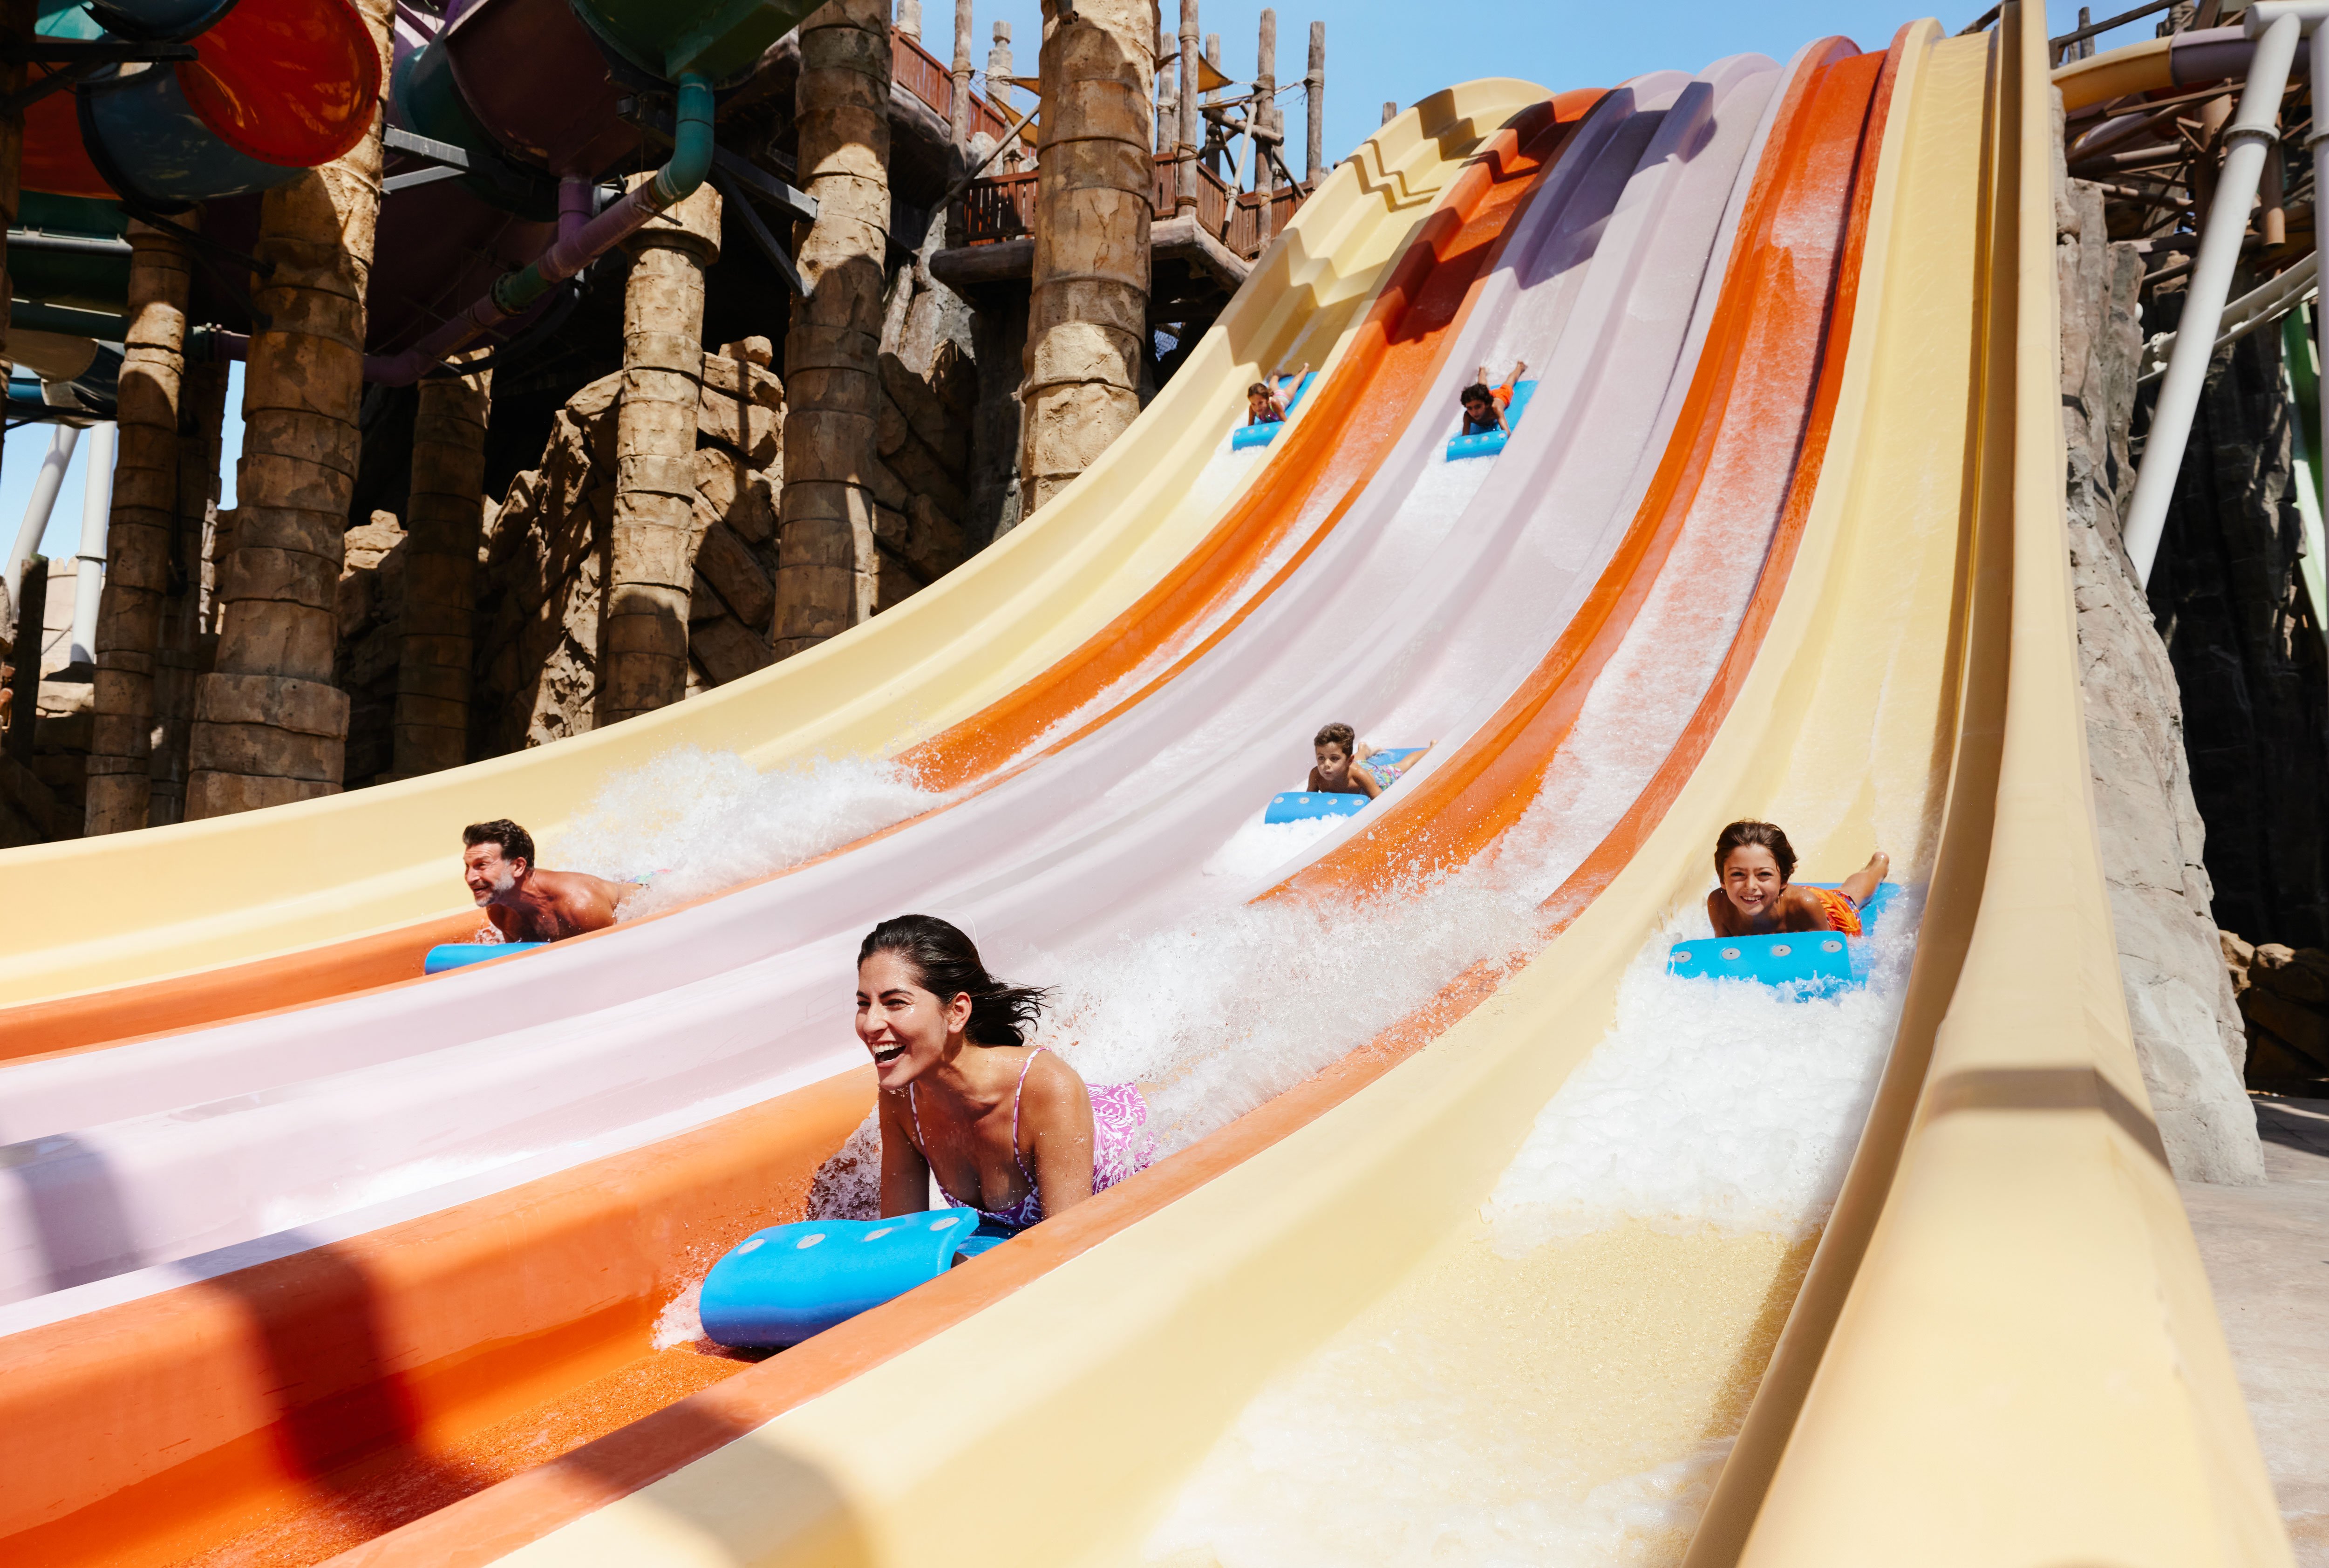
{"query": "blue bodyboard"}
{"type": "Point", "coordinates": [1493, 441]}
{"type": "Point", "coordinates": [779, 1286]}
{"type": "Point", "coordinates": [1261, 435]}
{"type": "Point", "coordinates": [1301, 804]}
{"type": "Point", "coordinates": [447, 956]}
{"type": "Point", "coordinates": [1816, 961]}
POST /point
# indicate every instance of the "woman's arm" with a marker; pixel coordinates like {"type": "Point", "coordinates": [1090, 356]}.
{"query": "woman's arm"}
{"type": "Point", "coordinates": [905, 1174]}
{"type": "Point", "coordinates": [1055, 1130]}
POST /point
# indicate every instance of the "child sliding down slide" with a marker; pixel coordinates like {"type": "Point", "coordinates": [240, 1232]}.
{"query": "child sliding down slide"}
{"type": "Point", "coordinates": [1754, 862]}
{"type": "Point", "coordinates": [1265, 400]}
{"type": "Point", "coordinates": [1484, 406]}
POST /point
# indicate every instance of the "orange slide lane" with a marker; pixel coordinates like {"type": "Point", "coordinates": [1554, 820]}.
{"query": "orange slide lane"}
{"type": "Point", "coordinates": [1851, 95]}
{"type": "Point", "coordinates": [1778, 323]}
{"type": "Point", "coordinates": [302, 1405]}
{"type": "Point", "coordinates": [1323, 459]}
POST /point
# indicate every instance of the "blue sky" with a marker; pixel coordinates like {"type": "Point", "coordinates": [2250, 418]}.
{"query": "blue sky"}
{"type": "Point", "coordinates": [1375, 52]}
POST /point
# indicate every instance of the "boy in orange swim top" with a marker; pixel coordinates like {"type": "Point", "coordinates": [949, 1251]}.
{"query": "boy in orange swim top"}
{"type": "Point", "coordinates": [1754, 862]}
{"type": "Point", "coordinates": [1485, 406]}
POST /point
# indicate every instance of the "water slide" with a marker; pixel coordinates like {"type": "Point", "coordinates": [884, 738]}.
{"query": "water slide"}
{"type": "Point", "coordinates": [1835, 594]}
{"type": "Point", "coordinates": [2000, 1346]}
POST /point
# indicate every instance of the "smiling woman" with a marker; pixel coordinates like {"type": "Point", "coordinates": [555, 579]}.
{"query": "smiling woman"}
{"type": "Point", "coordinates": [1007, 1128]}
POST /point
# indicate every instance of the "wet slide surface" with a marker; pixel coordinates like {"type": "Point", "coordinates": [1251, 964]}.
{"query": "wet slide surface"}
{"type": "Point", "coordinates": [1438, 1315]}
{"type": "Point", "coordinates": [1536, 1242]}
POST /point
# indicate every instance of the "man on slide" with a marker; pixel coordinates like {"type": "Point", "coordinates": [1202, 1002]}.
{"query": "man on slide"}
{"type": "Point", "coordinates": [524, 904]}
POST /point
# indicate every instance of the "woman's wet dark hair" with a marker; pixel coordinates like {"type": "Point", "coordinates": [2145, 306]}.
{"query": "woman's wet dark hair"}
{"type": "Point", "coordinates": [945, 963]}
{"type": "Point", "coordinates": [1766, 834]}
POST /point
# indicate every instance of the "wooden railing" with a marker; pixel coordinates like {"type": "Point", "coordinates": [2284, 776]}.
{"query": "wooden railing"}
{"type": "Point", "coordinates": [1003, 208]}
{"type": "Point", "coordinates": [924, 75]}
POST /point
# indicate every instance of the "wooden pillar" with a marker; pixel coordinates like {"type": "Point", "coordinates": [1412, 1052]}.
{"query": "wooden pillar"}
{"type": "Point", "coordinates": [1213, 59]}
{"type": "Point", "coordinates": [1261, 115]}
{"type": "Point", "coordinates": [1314, 114]}
{"type": "Point", "coordinates": [441, 525]}
{"type": "Point", "coordinates": [998, 86]}
{"type": "Point", "coordinates": [1088, 307]}
{"type": "Point", "coordinates": [1391, 112]}
{"type": "Point", "coordinates": [833, 388]}
{"type": "Point", "coordinates": [644, 632]}
{"type": "Point", "coordinates": [138, 570]}
{"type": "Point", "coordinates": [960, 108]}
{"type": "Point", "coordinates": [269, 727]}
{"type": "Point", "coordinates": [184, 655]}
{"type": "Point", "coordinates": [1168, 92]}
{"type": "Point", "coordinates": [909, 19]}
{"type": "Point", "coordinates": [1184, 188]}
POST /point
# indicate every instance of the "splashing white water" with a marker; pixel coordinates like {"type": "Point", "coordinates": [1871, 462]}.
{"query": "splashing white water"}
{"type": "Point", "coordinates": [681, 1322]}
{"type": "Point", "coordinates": [1720, 1103]}
{"type": "Point", "coordinates": [1257, 848]}
{"type": "Point", "coordinates": [703, 822]}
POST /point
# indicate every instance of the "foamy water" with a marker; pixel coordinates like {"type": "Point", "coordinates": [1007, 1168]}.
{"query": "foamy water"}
{"type": "Point", "coordinates": [1718, 1103]}
{"type": "Point", "coordinates": [704, 822]}
{"type": "Point", "coordinates": [1557, 1387]}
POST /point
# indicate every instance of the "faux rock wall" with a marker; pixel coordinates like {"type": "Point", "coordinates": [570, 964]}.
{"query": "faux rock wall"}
{"type": "Point", "coordinates": [2186, 1022]}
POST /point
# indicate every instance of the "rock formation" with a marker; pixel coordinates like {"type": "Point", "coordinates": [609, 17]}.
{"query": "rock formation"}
{"type": "Point", "coordinates": [2186, 1024]}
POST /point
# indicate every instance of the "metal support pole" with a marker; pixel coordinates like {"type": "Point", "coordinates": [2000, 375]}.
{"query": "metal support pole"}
{"type": "Point", "coordinates": [2248, 139]}
{"type": "Point", "coordinates": [89, 567]}
{"type": "Point", "coordinates": [45, 486]}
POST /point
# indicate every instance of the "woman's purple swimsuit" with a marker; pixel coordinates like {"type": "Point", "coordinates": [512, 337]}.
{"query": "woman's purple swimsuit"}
{"type": "Point", "coordinates": [1120, 1146]}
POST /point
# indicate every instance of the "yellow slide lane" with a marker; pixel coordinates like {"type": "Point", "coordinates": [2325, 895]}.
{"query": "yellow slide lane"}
{"type": "Point", "coordinates": [170, 901]}
{"type": "Point", "coordinates": [2005, 1351]}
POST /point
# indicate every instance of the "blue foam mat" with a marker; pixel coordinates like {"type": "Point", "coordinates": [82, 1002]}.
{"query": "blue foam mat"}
{"type": "Point", "coordinates": [1814, 960]}
{"type": "Point", "coordinates": [1301, 804]}
{"type": "Point", "coordinates": [1492, 442]}
{"type": "Point", "coordinates": [779, 1286]}
{"type": "Point", "coordinates": [447, 956]}
{"type": "Point", "coordinates": [1262, 434]}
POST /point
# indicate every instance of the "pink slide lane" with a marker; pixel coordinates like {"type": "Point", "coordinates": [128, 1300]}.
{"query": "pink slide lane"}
{"type": "Point", "coordinates": [1414, 617]}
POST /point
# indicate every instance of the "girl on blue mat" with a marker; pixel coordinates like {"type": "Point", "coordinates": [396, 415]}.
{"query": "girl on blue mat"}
{"type": "Point", "coordinates": [1485, 406]}
{"type": "Point", "coordinates": [1754, 861]}
{"type": "Point", "coordinates": [1265, 400]}
{"type": "Point", "coordinates": [1007, 1128]}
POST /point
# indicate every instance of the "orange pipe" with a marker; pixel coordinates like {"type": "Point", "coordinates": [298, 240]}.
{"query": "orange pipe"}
{"type": "Point", "coordinates": [1392, 359]}
{"type": "Point", "coordinates": [287, 1384]}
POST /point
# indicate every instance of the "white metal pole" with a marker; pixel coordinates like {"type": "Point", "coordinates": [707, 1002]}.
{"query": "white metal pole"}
{"type": "Point", "coordinates": [45, 486]}
{"type": "Point", "coordinates": [88, 565]}
{"type": "Point", "coordinates": [2249, 139]}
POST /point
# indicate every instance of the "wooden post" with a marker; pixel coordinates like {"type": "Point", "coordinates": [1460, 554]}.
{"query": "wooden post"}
{"type": "Point", "coordinates": [1261, 115]}
{"type": "Point", "coordinates": [959, 110]}
{"type": "Point", "coordinates": [185, 656]}
{"type": "Point", "coordinates": [998, 86]}
{"type": "Point", "coordinates": [1213, 139]}
{"type": "Point", "coordinates": [269, 727]}
{"type": "Point", "coordinates": [1391, 112]}
{"type": "Point", "coordinates": [1185, 184]}
{"type": "Point", "coordinates": [1088, 307]}
{"type": "Point", "coordinates": [138, 540]}
{"type": "Point", "coordinates": [1168, 95]}
{"type": "Point", "coordinates": [824, 544]}
{"type": "Point", "coordinates": [648, 574]}
{"type": "Point", "coordinates": [1314, 86]}
{"type": "Point", "coordinates": [441, 525]}
{"type": "Point", "coordinates": [909, 19]}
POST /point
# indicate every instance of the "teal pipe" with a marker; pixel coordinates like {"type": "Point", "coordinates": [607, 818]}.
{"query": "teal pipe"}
{"type": "Point", "coordinates": [679, 178]}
